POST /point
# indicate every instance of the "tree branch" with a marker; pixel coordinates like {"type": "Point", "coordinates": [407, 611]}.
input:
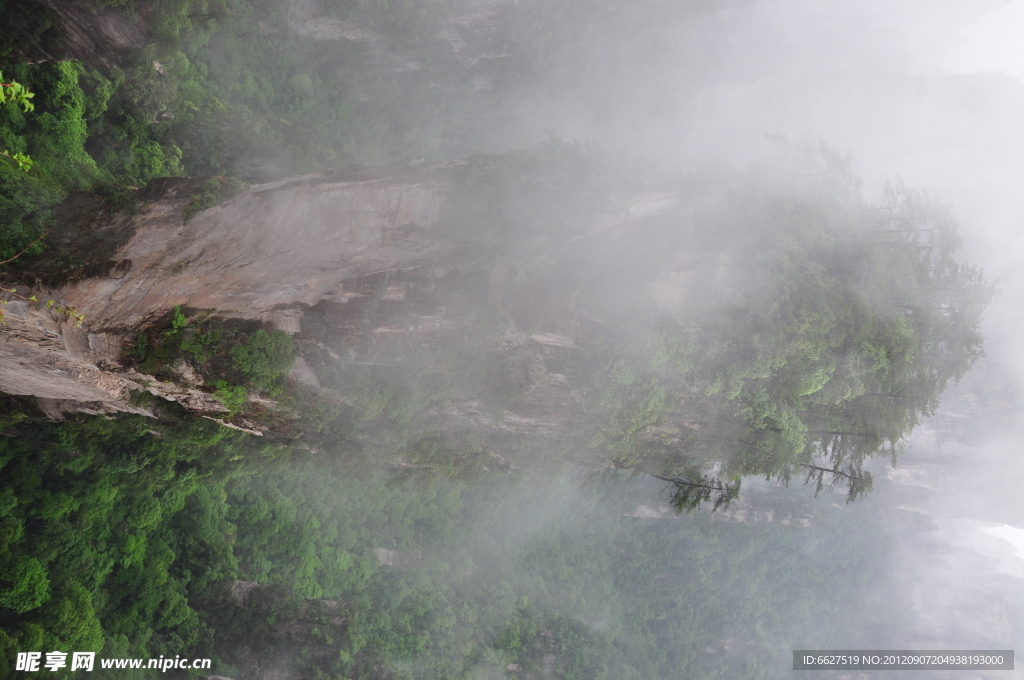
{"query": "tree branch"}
{"type": "Point", "coordinates": [12, 259]}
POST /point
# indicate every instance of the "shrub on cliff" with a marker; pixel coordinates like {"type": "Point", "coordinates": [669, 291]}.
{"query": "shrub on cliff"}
{"type": "Point", "coordinates": [264, 358]}
{"type": "Point", "coordinates": [213, 191]}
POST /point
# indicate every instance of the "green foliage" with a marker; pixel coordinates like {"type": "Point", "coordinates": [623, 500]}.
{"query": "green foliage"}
{"type": "Point", "coordinates": [213, 97]}
{"type": "Point", "coordinates": [154, 351]}
{"type": "Point", "coordinates": [87, 130]}
{"type": "Point", "coordinates": [141, 526]}
{"type": "Point", "coordinates": [635, 405]}
{"type": "Point", "coordinates": [264, 358]}
{"type": "Point", "coordinates": [125, 534]}
{"type": "Point", "coordinates": [179, 321]}
{"type": "Point", "coordinates": [201, 346]}
{"type": "Point", "coordinates": [434, 457]}
{"type": "Point", "coordinates": [54, 138]}
{"type": "Point", "coordinates": [806, 346]}
{"type": "Point", "coordinates": [229, 360]}
{"type": "Point", "coordinates": [232, 396]}
{"type": "Point", "coordinates": [28, 586]}
{"type": "Point", "coordinates": [17, 93]}
{"type": "Point", "coordinates": [214, 191]}
{"type": "Point", "coordinates": [102, 496]}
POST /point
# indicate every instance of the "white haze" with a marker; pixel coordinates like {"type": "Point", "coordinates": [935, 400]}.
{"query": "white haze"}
{"type": "Point", "coordinates": [932, 91]}
{"type": "Point", "coordinates": [929, 90]}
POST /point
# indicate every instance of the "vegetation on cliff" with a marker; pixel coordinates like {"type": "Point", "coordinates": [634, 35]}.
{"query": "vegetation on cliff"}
{"type": "Point", "coordinates": [800, 348]}
{"type": "Point", "coordinates": [213, 94]}
{"type": "Point", "coordinates": [229, 359]}
{"type": "Point", "coordinates": [124, 537]}
{"type": "Point", "coordinates": [770, 324]}
{"type": "Point", "coordinates": [230, 88]}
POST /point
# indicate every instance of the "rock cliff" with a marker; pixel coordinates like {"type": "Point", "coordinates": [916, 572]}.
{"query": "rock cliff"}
{"type": "Point", "coordinates": [356, 261]}
{"type": "Point", "coordinates": [58, 30]}
{"type": "Point", "coordinates": [253, 257]}
{"type": "Point", "coordinates": [273, 246]}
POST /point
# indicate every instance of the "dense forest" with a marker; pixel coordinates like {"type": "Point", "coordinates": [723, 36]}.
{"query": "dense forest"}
{"type": "Point", "coordinates": [806, 332]}
{"type": "Point", "coordinates": [126, 537]}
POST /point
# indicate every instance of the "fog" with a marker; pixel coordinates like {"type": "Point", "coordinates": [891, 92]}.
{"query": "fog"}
{"type": "Point", "coordinates": [930, 92]}
{"type": "Point", "coordinates": [583, 551]}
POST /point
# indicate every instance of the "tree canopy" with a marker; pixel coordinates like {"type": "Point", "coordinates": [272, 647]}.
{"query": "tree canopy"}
{"type": "Point", "coordinates": [814, 331]}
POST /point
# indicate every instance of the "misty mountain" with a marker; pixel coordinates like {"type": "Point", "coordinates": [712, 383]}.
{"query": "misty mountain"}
{"type": "Point", "coordinates": [478, 339]}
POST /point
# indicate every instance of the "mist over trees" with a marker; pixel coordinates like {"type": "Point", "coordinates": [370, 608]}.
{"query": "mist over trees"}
{"type": "Point", "coordinates": [181, 536]}
{"type": "Point", "coordinates": [768, 323]}
{"type": "Point", "coordinates": [822, 337]}
{"type": "Point", "coordinates": [582, 474]}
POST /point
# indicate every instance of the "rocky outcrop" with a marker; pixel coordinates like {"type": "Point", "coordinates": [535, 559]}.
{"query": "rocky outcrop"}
{"type": "Point", "coordinates": [102, 38]}
{"type": "Point", "coordinates": [274, 246]}
{"type": "Point", "coordinates": [254, 257]}
{"type": "Point", "coordinates": [357, 263]}
{"type": "Point", "coordinates": [47, 355]}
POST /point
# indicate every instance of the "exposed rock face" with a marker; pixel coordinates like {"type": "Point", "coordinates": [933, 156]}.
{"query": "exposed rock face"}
{"type": "Point", "coordinates": [271, 247]}
{"type": "Point", "coordinates": [240, 591]}
{"type": "Point", "coordinates": [253, 257]}
{"type": "Point", "coordinates": [99, 37]}
{"type": "Point", "coordinates": [357, 262]}
{"type": "Point", "coordinates": [47, 355]}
